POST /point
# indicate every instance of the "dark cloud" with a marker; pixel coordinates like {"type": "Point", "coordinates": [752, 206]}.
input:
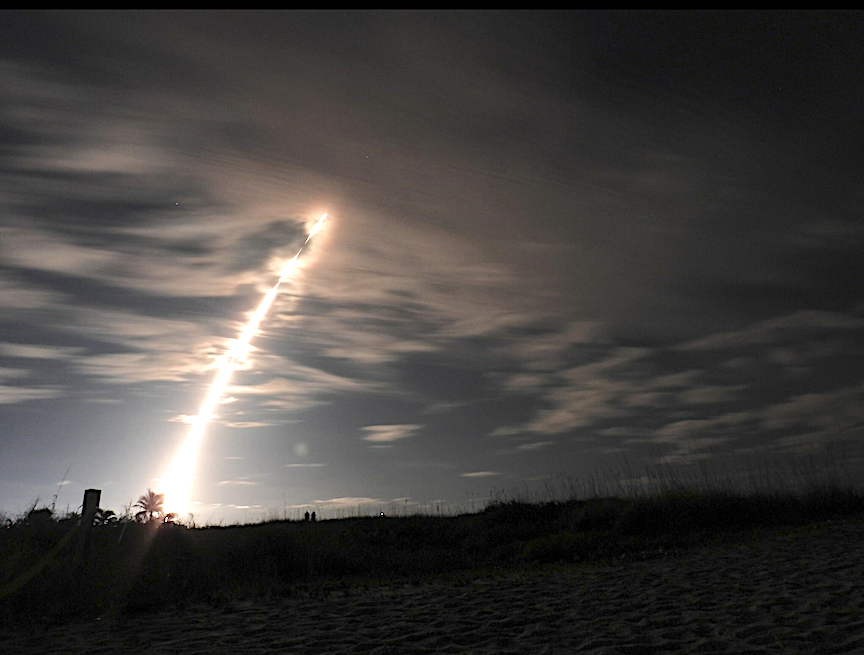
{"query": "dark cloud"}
{"type": "Point", "coordinates": [553, 236]}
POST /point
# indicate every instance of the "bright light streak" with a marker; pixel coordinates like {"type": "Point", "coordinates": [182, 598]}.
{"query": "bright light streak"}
{"type": "Point", "coordinates": [178, 481]}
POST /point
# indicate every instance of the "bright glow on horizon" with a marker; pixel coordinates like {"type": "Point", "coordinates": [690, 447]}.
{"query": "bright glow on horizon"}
{"type": "Point", "coordinates": [178, 481]}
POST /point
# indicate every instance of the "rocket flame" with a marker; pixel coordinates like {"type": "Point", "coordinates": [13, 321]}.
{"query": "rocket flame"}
{"type": "Point", "coordinates": [178, 481]}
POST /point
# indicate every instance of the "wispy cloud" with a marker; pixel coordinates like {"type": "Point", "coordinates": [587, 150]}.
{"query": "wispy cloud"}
{"type": "Point", "coordinates": [15, 294]}
{"type": "Point", "coordinates": [771, 330]}
{"type": "Point", "coordinates": [546, 351]}
{"type": "Point", "coordinates": [306, 387]}
{"type": "Point", "coordinates": [710, 394]}
{"type": "Point", "coordinates": [385, 434]}
{"type": "Point", "coordinates": [11, 395]}
{"type": "Point", "coordinates": [245, 425]}
{"type": "Point", "coordinates": [535, 445]}
{"type": "Point", "coordinates": [29, 351]}
{"type": "Point", "coordinates": [10, 373]}
{"type": "Point", "coordinates": [838, 411]}
{"type": "Point", "coordinates": [348, 502]}
{"type": "Point", "coordinates": [726, 426]}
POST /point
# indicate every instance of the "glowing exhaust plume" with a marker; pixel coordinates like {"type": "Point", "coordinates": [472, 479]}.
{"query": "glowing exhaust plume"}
{"type": "Point", "coordinates": [178, 481]}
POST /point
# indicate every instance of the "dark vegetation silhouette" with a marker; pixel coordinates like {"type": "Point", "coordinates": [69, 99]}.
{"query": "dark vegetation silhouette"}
{"type": "Point", "coordinates": [143, 563]}
{"type": "Point", "coordinates": [105, 517]}
{"type": "Point", "coordinates": [152, 507]}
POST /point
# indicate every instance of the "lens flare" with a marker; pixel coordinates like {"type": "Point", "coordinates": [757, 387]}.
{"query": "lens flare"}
{"type": "Point", "coordinates": [178, 481]}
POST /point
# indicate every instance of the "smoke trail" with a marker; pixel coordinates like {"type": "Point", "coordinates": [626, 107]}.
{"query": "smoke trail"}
{"type": "Point", "coordinates": [178, 481]}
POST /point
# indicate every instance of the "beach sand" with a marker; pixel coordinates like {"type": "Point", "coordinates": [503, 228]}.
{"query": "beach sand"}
{"type": "Point", "coordinates": [795, 591]}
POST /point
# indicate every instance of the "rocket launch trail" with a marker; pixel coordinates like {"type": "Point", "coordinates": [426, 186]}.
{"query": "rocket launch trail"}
{"type": "Point", "coordinates": [178, 481]}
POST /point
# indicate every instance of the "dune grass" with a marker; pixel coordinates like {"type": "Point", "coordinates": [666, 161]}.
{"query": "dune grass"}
{"type": "Point", "coordinates": [132, 568]}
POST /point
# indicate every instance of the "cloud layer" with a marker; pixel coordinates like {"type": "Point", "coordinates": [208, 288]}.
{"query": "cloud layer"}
{"type": "Point", "coordinates": [552, 238]}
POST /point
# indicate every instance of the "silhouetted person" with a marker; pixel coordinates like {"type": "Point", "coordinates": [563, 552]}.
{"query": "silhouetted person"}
{"type": "Point", "coordinates": [313, 517]}
{"type": "Point", "coordinates": [306, 516]}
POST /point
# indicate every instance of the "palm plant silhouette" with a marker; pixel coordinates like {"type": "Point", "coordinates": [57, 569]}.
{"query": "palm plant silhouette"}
{"type": "Point", "coordinates": [152, 506]}
{"type": "Point", "coordinates": [104, 517]}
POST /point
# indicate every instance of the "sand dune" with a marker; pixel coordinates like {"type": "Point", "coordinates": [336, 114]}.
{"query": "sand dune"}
{"type": "Point", "coordinates": [800, 590]}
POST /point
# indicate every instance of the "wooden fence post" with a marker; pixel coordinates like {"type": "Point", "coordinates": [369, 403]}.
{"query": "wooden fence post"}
{"type": "Point", "coordinates": [91, 504]}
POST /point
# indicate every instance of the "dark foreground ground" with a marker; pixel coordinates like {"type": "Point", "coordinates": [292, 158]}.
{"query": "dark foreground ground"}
{"type": "Point", "coordinates": [798, 590]}
{"type": "Point", "coordinates": [700, 573]}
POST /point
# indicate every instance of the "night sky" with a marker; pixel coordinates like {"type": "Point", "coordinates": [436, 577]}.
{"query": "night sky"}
{"type": "Point", "coordinates": [558, 243]}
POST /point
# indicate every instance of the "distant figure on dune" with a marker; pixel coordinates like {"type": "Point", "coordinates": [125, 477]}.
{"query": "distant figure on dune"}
{"type": "Point", "coordinates": [313, 517]}
{"type": "Point", "coordinates": [306, 516]}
